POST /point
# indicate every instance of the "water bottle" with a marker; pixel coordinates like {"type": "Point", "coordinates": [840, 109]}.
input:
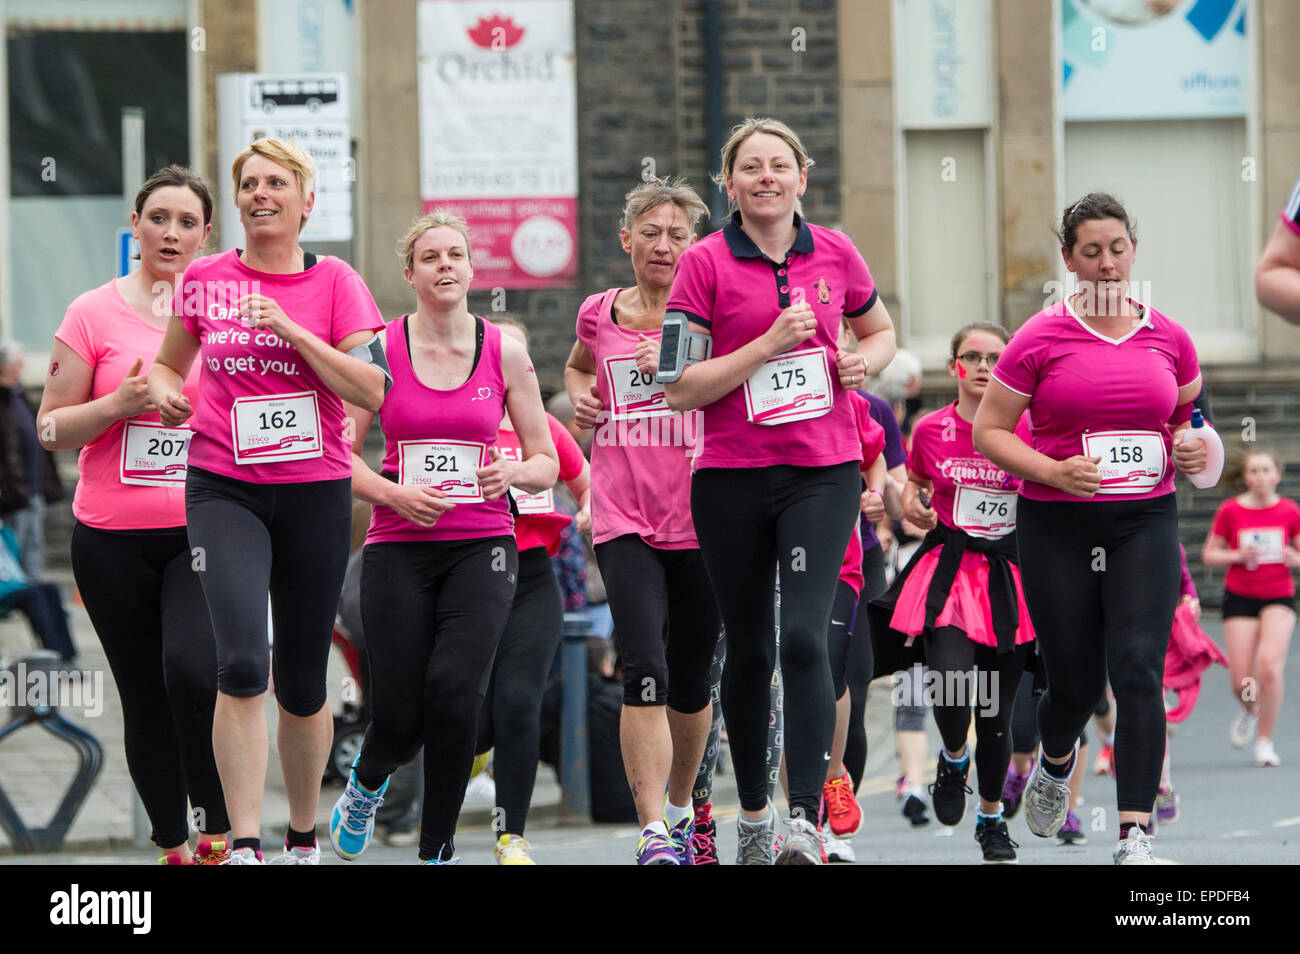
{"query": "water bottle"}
{"type": "Point", "coordinates": [1214, 451]}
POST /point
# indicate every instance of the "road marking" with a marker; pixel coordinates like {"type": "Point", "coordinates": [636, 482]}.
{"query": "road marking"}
{"type": "Point", "coordinates": [1240, 833]}
{"type": "Point", "coordinates": [1286, 822]}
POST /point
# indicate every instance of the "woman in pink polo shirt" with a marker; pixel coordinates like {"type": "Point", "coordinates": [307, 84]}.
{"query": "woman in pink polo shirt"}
{"type": "Point", "coordinates": [1108, 382]}
{"type": "Point", "coordinates": [438, 577]}
{"type": "Point", "coordinates": [268, 493]}
{"type": "Point", "coordinates": [665, 618]}
{"type": "Point", "coordinates": [777, 482]}
{"type": "Point", "coordinates": [130, 555]}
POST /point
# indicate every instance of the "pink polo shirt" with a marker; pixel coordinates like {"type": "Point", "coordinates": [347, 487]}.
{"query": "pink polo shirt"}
{"type": "Point", "coordinates": [726, 284]}
{"type": "Point", "coordinates": [641, 452]}
{"type": "Point", "coordinates": [871, 437]}
{"type": "Point", "coordinates": [244, 366]}
{"type": "Point", "coordinates": [106, 333]}
{"type": "Point", "coordinates": [1115, 398]}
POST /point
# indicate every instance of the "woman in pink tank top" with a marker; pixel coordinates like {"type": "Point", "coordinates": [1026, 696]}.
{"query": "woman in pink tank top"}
{"type": "Point", "coordinates": [440, 564]}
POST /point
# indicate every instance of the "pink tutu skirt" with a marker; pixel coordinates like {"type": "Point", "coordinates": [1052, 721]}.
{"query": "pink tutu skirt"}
{"type": "Point", "coordinates": [968, 601]}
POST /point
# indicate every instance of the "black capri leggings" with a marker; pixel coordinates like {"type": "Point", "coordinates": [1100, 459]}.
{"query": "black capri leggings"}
{"type": "Point", "coordinates": [511, 715]}
{"type": "Point", "coordinates": [433, 615]}
{"type": "Point", "coordinates": [1101, 581]}
{"type": "Point", "coordinates": [146, 604]}
{"type": "Point", "coordinates": [288, 539]}
{"type": "Point", "coordinates": [840, 635]}
{"type": "Point", "coordinates": [749, 522]}
{"type": "Point", "coordinates": [665, 622]}
{"type": "Point", "coordinates": [861, 662]}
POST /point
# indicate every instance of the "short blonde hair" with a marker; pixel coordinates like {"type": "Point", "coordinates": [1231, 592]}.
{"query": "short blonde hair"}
{"type": "Point", "coordinates": [655, 192]}
{"type": "Point", "coordinates": [437, 219]}
{"type": "Point", "coordinates": [761, 124]}
{"type": "Point", "coordinates": [283, 153]}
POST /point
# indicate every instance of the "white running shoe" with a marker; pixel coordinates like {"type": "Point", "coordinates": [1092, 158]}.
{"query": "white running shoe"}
{"type": "Point", "coordinates": [755, 843]}
{"type": "Point", "coordinates": [1265, 754]}
{"type": "Point", "coordinates": [801, 846]}
{"type": "Point", "coordinates": [1047, 802]}
{"type": "Point", "coordinates": [1242, 729]}
{"type": "Point", "coordinates": [481, 790]}
{"type": "Point", "coordinates": [243, 856]}
{"type": "Point", "coordinates": [298, 856]}
{"type": "Point", "coordinates": [836, 849]}
{"type": "Point", "coordinates": [1135, 849]}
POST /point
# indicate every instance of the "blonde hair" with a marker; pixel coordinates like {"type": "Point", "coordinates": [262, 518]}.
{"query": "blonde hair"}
{"type": "Point", "coordinates": [437, 219]}
{"type": "Point", "coordinates": [505, 320]}
{"type": "Point", "coordinates": [283, 153]}
{"type": "Point", "coordinates": [761, 124]}
{"type": "Point", "coordinates": [655, 192]}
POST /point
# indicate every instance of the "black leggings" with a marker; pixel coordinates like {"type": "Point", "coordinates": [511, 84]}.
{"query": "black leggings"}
{"type": "Point", "coordinates": [665, 622]}
{"type": "Point", "coordinates": [146, 604]}
{"type": "Point", "coordinates": [288, 539]}
{"type": "Point", "coordinates": [1024, 718]}
{"type": "Point", "coordinates": [992, 691]}
{"type": "Point", "coordinates": [749, 522]}
{"type": "Point", "coordinates": [861, 663]}
{"type": "Point", "coordinates": [702, 793]}
{"type": "Point", "coordinates": [1101, 580]}
{"type": "Point", "coordinates": [511, 715]}
{"type": "Point", "coordinates": [839, 635]}
{"type": "Point", "coordinates": [433, 615]}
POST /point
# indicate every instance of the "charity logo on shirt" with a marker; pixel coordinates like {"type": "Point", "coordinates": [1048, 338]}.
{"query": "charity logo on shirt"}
{"type": "Point", "coordinates": [823, 291]}
{"type": "Point", "coordinates": [976, 470]}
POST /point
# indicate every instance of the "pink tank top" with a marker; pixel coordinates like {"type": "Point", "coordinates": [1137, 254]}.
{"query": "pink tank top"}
{"type": "Point", "coordinates": [438, 439]}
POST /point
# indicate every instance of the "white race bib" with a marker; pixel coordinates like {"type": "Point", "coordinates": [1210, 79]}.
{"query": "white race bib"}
{"type": "Point", "coordinates": [533, 503]}
{"type": "Point", "coordinates": [154, 455]}
{"type": "Point", "coordinates": [449, 466]}
{"type": "Point", "coordinates": [985, 513]}
{"type": "Point", "coordinates": [276, 427]}
{"type": "Point", "coordinates": [789, 387]}
{"type": "Point", "coordinates": [1131, 461]}
{"type": "Point", "coordinates": [1269, 541]}
{"type": "Point", "coordinates": [635, 393]}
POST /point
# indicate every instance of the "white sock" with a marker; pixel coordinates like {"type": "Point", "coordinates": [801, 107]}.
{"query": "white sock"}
{"type": "Point", "coordinates": [757, 822]}
{"type": "Point", "coordinates": [658, 828]}
{"type": "Point", "coordinates": [676, 814]}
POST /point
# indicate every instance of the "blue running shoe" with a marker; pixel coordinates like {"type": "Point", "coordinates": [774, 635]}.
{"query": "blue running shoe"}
{"type": "Point", "coordinates": [656, 849]}
{"type": "Point", "coordinates": [352, 821]}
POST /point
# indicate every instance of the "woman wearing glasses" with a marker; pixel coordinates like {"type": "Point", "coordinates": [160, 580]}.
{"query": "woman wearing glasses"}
{"type": "Point", "coordinates": [961, 592]}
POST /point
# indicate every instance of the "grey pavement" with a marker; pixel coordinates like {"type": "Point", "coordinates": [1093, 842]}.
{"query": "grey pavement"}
{"type": "Point", "coordinates": [1232, 812]}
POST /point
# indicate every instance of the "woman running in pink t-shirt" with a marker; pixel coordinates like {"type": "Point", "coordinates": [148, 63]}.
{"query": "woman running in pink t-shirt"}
{"type": "Point", "coordinates": [130, 555]}
{"type": "Point", "coordinates": [268, 491]}
{"type": "Point", "coordinates": [1109, 384]}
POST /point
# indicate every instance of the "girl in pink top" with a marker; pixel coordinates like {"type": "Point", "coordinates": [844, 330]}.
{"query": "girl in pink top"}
{"type": "Point", "coordinates": [777, 481]}
{"type": "Point", "coordinates": [440, 566]}
{"type": "Point", "coordinates": [267, 491]}
{"type": "Point", "coordinates": [130, 555]}
{"type": "Point", "coordinates": [1108, 383]}
{"type": "Point", "coordinates": [665, 617]}
{"type": "Point", "coordinates": [961, 592]}
{"type": "Point", "coordinates": [1256, 535]}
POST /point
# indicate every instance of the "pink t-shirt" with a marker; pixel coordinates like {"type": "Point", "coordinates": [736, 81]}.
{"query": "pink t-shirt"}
{"type": "Point", "coordinates": [871, 436]}
{"type": "Point", "coordinates": [1118, 399]}
{"type": "Point", "coordinates": [539, 523]}
{"type": "Point", "coordinates": [1270, 529]}
{"type": "Point", "coordinates": [1290, 213]}
{"type": "Point", "coordinates": [242, 364]}
{"type": "Point", "coordinates": [452, 431]}
{"type": "Point", "coordinates": [944, 453]}
{"type": "Point", "coordinates": [103, 331]}
{"type": "Point", "coordinates": [726, 284]}
{"type": "Point", "coordinates": [641, 452]}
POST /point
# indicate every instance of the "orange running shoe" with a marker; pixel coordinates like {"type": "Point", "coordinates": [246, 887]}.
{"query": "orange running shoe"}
{"type": "Point", "coordinates": [842, 808]}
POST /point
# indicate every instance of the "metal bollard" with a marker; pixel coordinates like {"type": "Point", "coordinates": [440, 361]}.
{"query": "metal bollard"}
{"type": "Point", "coordinates": [575, 777]}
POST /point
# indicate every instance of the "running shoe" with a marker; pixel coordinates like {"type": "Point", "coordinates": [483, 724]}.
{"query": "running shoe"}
{"type": "Point", "coordinates": [995, 841]}
{"type": "Point", "coordinates": [1243, 729]}
{"type": "Point", "coordinates": [481, 790]}
{"type": "Point", "coordinates": [756, 843]}
{"type": "Point", "coordinates": [352, 822]}
{"type": "Point", "coordinates": [656, 849]}
{"type": "Point", "coordinates": [842, 808]}
{"type": "Point", "coordinates": [1135, 849]}
{"type": "Point", "coordinates": [211, 853]}
{"type": "Point", "coordinates": [1167, 806]}
{"type": "Point", "coordinates": [949, 790]}
{"type": "Point", "coordinates": [1265, 754]}
{"type": "Point", "coordinates": [705, 840]}
{"type": "Point", "coordinates": [833, 849]}
{"type": "Point", "coordinates": [1047, 802]}
{"type": "Point", "coordinates": [801, 846]}
{"type": "Point", "coordinates": [512, 850]}
{"type": "Point", "coordinates": [1013, 790]}
{"type": "Point", "coordinates": [174, 858]}
{"type": "Point", "coordinates": [298, 856]}
{"type": "Point", "coordinates": [244, 856]}
{"type": "Point", "coordinates": [1105, 764]}
{"type": "Point", "coordinates": [439, 861]}
{"type": "Point", "coordinates": [1071, 833]}
{"type": "Point", "coordinates": [682, 835]}
{"type": "Point", "coordinates": [914, 810]}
